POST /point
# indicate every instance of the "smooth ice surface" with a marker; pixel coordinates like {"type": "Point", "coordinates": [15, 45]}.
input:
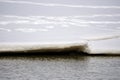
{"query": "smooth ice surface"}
{"type": "Point", "coordinates": [95, 22]}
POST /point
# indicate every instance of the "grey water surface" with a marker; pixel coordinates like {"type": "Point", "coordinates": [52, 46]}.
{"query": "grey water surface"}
{"type": "Point", "coordinates": [60, 67]}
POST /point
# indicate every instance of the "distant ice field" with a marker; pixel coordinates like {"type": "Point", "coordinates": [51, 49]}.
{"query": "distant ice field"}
{"type": "Point", "coordinates": [95, 23]}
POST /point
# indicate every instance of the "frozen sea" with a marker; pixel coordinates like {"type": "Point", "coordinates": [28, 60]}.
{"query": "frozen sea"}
{"type": "Point", "coordinates": [91, 26]}
{"type": "Point", "coordinates": [95, 22]}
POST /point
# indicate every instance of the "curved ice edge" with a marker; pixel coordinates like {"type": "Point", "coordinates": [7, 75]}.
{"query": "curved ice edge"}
{"type": "Point", "coordinates": [83, 47]}
{"type": "Point", "coordinates": [45, 47]}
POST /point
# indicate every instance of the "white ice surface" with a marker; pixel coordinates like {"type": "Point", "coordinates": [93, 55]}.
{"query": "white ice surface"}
{"type": "Point", "coordinates": [111, 46]}
{"type": "Point", "coordinates": [58, 24]}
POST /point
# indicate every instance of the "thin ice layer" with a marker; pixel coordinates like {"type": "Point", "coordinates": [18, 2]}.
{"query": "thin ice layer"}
{"type": "Point", "coordinates": [109, 46]}
{"type": "Point", "coordinates": [44, 47]}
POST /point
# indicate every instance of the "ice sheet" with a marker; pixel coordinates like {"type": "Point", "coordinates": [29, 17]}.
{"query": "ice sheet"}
{"type": "Point", "coordinates": [37, 24]}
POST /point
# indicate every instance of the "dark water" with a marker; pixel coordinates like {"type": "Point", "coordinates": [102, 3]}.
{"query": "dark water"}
{"type": "Point", "coordinates": [59, 67]}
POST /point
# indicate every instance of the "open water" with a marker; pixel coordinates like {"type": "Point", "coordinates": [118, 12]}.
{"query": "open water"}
{"type": "Point", "coordinates": [59, 67]}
